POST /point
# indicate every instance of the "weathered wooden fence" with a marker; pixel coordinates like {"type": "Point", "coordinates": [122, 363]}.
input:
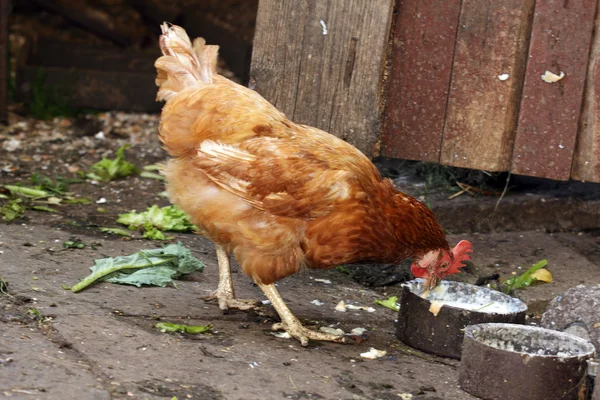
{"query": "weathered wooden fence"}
{"type": "Point", "coordinates": [464, 86]}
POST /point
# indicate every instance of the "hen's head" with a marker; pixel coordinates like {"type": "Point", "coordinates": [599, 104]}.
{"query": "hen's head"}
{"type": "Point", "coordinates": [436, 264]}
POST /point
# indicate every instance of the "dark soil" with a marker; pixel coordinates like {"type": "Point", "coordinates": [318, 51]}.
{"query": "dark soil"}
{"type": "Point", "coordinates": [101, 343]}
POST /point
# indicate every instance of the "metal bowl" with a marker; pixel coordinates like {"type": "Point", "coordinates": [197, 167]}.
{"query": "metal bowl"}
{"type": "Point", "coordinates": [515, 362]}
{"type": "Point", "coordinates": [427, 325]}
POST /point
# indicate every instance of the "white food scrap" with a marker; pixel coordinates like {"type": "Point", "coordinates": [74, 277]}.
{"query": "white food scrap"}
{"type": "Point", "coordinates": [361, 308]}
{"type": "Point", "coordinates": [325, 281]}
{"type": "Point", "coordinates": [333, 331]}
{"type": "Point", "coordinates": [341, 306]}
{"type": "Point", "coordinates": [282, 335]}
{"type": "Point", "coordinates": [373, 354]}
{"type": "Point", "coordinates": [503, 77]}
{"type": "Point", "coordinates": [317, 302]}
{"type": "Point", "coordinates": [358, 331]}
{"type": "Point", "coordinates": [435, 307]}
{"type": "Point", "coordinates": [551, 77]}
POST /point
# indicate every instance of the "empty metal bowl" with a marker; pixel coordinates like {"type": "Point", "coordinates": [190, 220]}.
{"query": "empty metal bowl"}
{"type": "Point", "coordinates": [434, 321]}
{"type": "Point", "coordinates": [515, 362]}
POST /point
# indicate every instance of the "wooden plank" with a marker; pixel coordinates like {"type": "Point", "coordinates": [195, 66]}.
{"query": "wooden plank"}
{"type": "Point", "coordinates": [482, 108]}
{"type": "Point", "coordinates": [122, 29]}
{"type": "Point", "coordinates": [549, 116]}
{"type": "Point", "coordinates": [56, 53]}
{"type": "Point", "coordinates": [3, 60]}
{"type": "Point", "coordinates": [321, 61]}
{"type": "Point", "coordinates": [423, 49]}
{"type": "Point", "coordinates": [586, 160]}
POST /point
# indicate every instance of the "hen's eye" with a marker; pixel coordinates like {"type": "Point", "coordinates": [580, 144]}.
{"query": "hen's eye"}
{"type": "Point", "coordinates": [444, 266]}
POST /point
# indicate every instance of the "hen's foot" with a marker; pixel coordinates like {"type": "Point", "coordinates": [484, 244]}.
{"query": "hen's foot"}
{"type": "Point", "coordinates": [303, 334]}
{"type": "Point", "coordinates": [226, 301]}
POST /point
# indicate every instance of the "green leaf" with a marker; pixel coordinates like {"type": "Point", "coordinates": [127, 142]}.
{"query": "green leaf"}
{"type": "Point", "coordinates": [107, 170]}
{"type": "Point", "coordinates": [154, 234]}
{"type": "Point", "coordinates": [76, 200]}
{"type": "Point", "coordinates": [44, 208]}
{"type": "Point", "coordinates": [73, 244]}
{"type": "Point", "coordinates": [3, 286]}
{"type": "Point", "coordinates": [12, 210]}
{"type": "Point", "coordinates": [116, 231]}
{"type": "Point", "coordinates": [152, 276]}
{"type": "Point", "coordinates": [173, 256]}
{"type": "Point", "coordinates": [156, 219]}
{"type": "Point", "coordinates": [27, 191]}
{"type": "Point", "coordinates": [390, 302]}
{"type": "Point", "coordinates": [525, 279]}
{"type": "Point", "coordinates": [191, 329]}
{"type": "Point", "coordinates": [34, 311]}
{"type": "Point", "coordinates": [58, 187]}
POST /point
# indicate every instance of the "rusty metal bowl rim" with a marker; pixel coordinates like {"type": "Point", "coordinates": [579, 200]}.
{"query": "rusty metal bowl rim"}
{"type": "Point", "coordinates": [589, 352]}
{"type": "Point", "coordinates": [522, 307]}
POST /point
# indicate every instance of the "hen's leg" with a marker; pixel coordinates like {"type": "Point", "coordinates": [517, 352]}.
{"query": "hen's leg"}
{"type": "Point", "coordinates": [224, 293]}
{"type": "Point", "coordinates": [290, 323]}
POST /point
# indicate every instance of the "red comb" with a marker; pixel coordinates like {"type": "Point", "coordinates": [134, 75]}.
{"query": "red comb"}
{"type": "Point", "coordinates": [460, 255]}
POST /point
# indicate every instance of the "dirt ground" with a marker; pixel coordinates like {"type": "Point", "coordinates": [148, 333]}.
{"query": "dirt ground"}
{"type": "Point", "coordinates": [102, 343]}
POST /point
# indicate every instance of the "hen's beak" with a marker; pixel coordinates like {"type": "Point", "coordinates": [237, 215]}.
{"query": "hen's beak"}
{"type": "Point", "coordinates": [431, 282]}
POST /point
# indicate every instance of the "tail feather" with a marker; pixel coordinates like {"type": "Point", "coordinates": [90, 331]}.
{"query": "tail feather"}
{"type": "Point", "coordinates": [183, 65]}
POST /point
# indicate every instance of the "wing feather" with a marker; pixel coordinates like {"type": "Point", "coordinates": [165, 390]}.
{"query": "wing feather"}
{"type": "Point", "coordinates": [286, 174]}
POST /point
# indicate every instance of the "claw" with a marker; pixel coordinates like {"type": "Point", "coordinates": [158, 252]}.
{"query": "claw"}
{"type": "Point", "coordinates": [226, 301]}
{"type": "Point", "coordinates": [304, 335]}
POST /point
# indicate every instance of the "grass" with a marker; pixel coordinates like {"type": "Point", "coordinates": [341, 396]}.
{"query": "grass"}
{"type": "Point", "coordinates": [48, 101]}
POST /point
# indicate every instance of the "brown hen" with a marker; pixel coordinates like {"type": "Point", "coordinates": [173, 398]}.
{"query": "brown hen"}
{"type": "Point", "coordinates": [280, 196]}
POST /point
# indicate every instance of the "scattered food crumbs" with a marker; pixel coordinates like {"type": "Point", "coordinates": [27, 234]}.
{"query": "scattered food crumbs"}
{"type": "Point", "coordinates": [332, 331]}
{"type": "Point", "coordinates": [405, 396]}
{"type": "Point", "coordinates": [317, 302]}
{"type": "Point", "coordinates": [101, 200]}
{"type": "Point", "coordinates": [373, 354]}
{"type": "Point", "coordinates": [325, 281]}
{"type": "Point", "coordinates": [551, 77]}
{"type": "Point", "coordinates": [503, 77]}
{"type": "Point", "coordinates": [253, 365]}
{"type": "Point", "coordinates": [341, 306]}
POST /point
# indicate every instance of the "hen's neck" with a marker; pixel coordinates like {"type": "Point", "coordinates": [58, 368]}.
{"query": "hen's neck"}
{"type": "Point", "coordinates": [415, 226]}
